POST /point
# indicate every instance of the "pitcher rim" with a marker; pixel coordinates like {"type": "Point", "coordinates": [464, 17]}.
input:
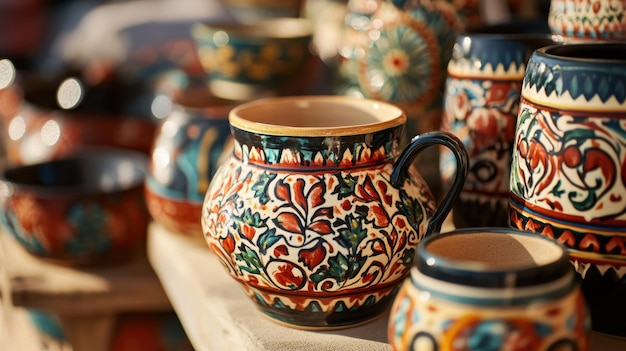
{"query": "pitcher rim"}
{"type": "Point", "coordinates": [392, 116]}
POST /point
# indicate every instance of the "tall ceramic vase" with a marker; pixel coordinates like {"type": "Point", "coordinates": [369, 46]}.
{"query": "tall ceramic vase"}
{"type": "Point", "coordinates": [481, 102]}
{"type": "Point", "coordinates": [568, 174]}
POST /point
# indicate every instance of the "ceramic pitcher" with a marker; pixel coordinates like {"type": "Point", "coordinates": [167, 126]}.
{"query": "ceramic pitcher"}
{"type": "Point", "coordinates": [318, 212]}
{"type": "Point", "coordinates": [567, 175]}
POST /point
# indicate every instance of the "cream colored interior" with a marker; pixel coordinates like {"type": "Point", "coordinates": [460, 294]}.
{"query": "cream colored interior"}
{"type": "Point", "coordinates": [316, 115]}
{"type": "Point", "coordinates": [496, 250]}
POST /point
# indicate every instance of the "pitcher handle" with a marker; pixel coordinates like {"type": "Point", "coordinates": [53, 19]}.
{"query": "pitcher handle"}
{"type": "Point", "coordinates": [417, 145]}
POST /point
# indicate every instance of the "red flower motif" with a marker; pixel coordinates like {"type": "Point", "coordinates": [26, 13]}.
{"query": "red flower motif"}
{"type": "Point", "coordinates": [286, 277]}
{"type": "Point", "coordinates": [312, 257]}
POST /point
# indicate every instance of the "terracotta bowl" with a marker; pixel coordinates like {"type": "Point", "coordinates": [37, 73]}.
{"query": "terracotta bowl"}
{"type": "Point", "coordinates": [83, 209]}
{"type": "Point", "coordinates": [246, 60]}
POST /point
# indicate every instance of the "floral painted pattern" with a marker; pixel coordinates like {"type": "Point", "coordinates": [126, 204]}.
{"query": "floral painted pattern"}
{"type": "Point", "coordinates": [420, 321]}
{"type": "Point", "coordinates": [588, 20]}
{"type": "Point", "coordinates": [313, 225]}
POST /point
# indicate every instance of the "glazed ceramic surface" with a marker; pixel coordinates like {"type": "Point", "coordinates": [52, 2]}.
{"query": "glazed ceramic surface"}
{"type": "Point", "coordinates": [248, 60]}
{"type": "Point", "coordinates": [490, 289]}
{"type": "Point", "coordinates": [567, 175]}
{"type": "Point", "coordinates": [317, 213]}
{"type": "Point", "coordinates": [588, 20]}
{"type": "Point", "coordinates": [190, 143]}
{"type": "Point", "coordinates": [397, 51]}
{"type": "Point", "coordinates": [83, 209]}
{"type": "Point", "coordinates": [481, 102]}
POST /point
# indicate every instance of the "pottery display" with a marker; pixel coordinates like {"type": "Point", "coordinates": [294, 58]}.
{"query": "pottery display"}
{"type": "Point", "coordinates": [318, 211]}
{"type": "Point", "coordinates": [588, 20]}
{"type": "Point", "coordinates": [83, 209]}
{"type": "Point", "coordinates": [490, 289]}
{"type": "Point", "coordinates": [481, 102]}
{"type": "Point", "coordinates": [567, 175]}
{"type": "Point", "coordinates": [248, 60]}
{"type": "Point", "coordinates": [189, 145]}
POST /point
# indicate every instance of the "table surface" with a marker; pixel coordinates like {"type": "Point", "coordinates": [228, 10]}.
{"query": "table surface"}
{"type": "Point", "coordinates": [215, 311]}
{"type": "Point", "coordinates": [33, 283]}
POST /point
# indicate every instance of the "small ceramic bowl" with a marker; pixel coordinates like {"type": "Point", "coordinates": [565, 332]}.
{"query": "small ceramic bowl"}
{"type": "Point", "coordinates": [83, 209]}
{"type": "Point", "coordinates": [247, 60]}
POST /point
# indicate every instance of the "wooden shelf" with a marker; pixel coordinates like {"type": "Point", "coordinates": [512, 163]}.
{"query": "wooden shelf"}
{"type": "Point", "coordinates": [85, 300]}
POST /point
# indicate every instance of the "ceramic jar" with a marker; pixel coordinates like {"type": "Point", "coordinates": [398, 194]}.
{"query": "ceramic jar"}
{"type": "Point", "coordinates": [317, 213]}
{"type": "Point", "coordinates": [567, 174]}
{"type": "Point", "coordinates": [189, 144]}
{"type": "Point", "coordinates": [490, 289]}
{"type": "Point", "coordinates": [588, 20]}
{"type": "Point", "coordinates": [481, 102]}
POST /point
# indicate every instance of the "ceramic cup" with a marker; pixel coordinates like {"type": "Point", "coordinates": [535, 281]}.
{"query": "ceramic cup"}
{"type": "Point", "coordinates": [481, 101]}
{"type": "Point", "coordinates": [318, 211]}
{"type": "Point", "coordinates": [249, 60]}
{"type": "Point", "coordinates": [567, 174]}
{"type": "Point", "coordinates": [588, 20]}
{"type": "Point", "coordinates": [190, 143]}
{"type": "Point", "coordinates": [83, 209]}
{"type": "Point", "coordinates": [490, 289]}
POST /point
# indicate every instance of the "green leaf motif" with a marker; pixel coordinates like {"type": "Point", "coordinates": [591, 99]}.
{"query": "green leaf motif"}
{"type": "Point", "coordinates": [353, 234]}
{"type": "Point", "coordinates": [557, 191]}
{"type": "Point", "coordinates": [345, 186]}
{"type": "Point", "coordinates": [408, 257]}
{"type": "Point", "coordinates": [411, 209]}
{"type": "Point", "coordinates": [253, 219]}
{"type": "Point", "coordinates": [260, 187]}
{"type": "Point", "coordinates": [340, 268]}
{"type": "Point", "coordinates": [252, 262]}
{"type": "Point", "coordinates": [267, 240]}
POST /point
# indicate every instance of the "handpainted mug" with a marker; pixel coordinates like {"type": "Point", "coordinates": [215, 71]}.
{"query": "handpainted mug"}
{"type": "Point", "coordinates": [568, 173]}
{"type": "Point", "coordinates": [318, 211]}
{"type": "Point", "coordinates": [490, 289]}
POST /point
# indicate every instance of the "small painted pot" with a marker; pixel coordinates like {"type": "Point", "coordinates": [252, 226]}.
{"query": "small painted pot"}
{"type": "Point", "coordinates": [588, 20]}
{"type": "Point", "coordinates": [84, 209]}
{"type": "Point", "coordinates": [190, 143]}
{"type": "Point", "coordinates": [490, 289]}
{"type": "Point", "coordinates": [317, 213]}
{"type": "Point", "coordinates": [251, 59]}
{"type": "Point", "coordinates": [481, 102]}
{"type": "Point", "coordinates": [568, 179]}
